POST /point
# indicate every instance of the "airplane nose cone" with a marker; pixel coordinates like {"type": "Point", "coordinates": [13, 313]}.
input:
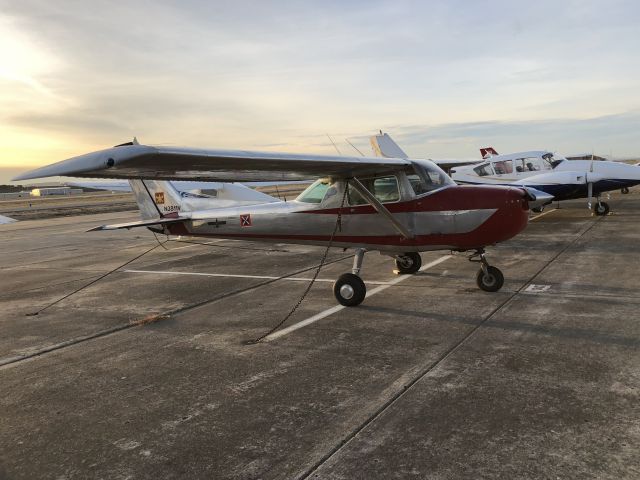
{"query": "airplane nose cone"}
{"type": "Point", "coordinates": [509, 211]}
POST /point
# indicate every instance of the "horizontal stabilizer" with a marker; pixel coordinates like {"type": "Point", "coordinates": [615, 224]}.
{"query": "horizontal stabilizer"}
{"type": "Point", "coordinates": [141, 223]}
{"type": "Point", "coordinates": [4, 220]}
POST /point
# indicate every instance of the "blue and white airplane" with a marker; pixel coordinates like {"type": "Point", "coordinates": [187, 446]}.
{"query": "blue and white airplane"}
{"type": "Point", "coordinates": [540, 170]}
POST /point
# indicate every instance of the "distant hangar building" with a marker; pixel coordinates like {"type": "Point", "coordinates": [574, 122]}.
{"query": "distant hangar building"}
{"type": "Point", "coordinates": [43, 192]}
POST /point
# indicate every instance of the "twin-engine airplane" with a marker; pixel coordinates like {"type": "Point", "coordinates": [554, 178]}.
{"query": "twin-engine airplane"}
{"type": "Point", "coordinates": [541, 171]}
{"type": "Point", "coordinates": [396, 206]}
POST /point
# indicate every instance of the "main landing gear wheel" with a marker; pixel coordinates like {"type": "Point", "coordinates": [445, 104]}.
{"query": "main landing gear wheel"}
{"type": "Point", "coordinates": [408, 263]}
{"type": "Point", "coordinates": [601, 208]}
{"type": "Point", "coordinates": [491, 280]}
{"type": "Point", "coordinates": [349, 290]}
{"type": "Point", "coordinates": [538, 209]}
{"type": "Point", "coordinates": [624, 190]}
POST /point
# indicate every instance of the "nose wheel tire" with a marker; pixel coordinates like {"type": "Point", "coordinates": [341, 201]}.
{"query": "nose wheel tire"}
{"type": "Point", "coordinates": [349, 290]}
{"type": "Point", "coordinates": [491, 281]}
{"type": "Point", "coordinates": [408, 263]}
{"type": "Point", "coordinates": [624, 190]}
{"type": "Point", "coordinates": [601, 208]}
{"type": "Point", "coordinates": [538, 209]}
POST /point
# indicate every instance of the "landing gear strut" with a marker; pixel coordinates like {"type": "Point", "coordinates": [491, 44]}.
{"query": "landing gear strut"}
{"type": "Point", "coordinates": [349, 289]}
{"type": "Point", "coordinates": [489, 279]}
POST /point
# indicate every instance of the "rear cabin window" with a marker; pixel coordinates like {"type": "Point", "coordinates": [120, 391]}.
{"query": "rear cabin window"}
{"type": "Point", "coordinates": [385, 189]}
{"type": "Point", "coordinates": [530, 164]}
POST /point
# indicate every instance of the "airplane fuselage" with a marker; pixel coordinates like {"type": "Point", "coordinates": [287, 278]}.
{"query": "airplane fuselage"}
{"type": "Point", "coordinates": [567, 180]}
{"type": "Point", "coordinates": [454, 217]}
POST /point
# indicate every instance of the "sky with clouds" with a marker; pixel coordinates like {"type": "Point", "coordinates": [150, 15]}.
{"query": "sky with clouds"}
{"type": "Point", "coordinates": [442, 77]}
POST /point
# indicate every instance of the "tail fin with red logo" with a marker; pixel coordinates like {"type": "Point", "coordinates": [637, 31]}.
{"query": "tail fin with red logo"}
{"type": "Point", "coordinates": [488, 152]}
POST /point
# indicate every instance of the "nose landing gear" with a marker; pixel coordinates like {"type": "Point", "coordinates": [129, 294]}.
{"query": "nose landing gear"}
{"type": "Point", "coordinates": [409, 262]}
{"type": "Point", "coordinates": [349, 289]}
{"type": "Point", "coordinates": [601, 208]}
{"type": "Point", "coordinates": [489, 278]}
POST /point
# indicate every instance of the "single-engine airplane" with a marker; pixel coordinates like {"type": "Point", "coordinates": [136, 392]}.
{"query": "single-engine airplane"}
{"type": "Point", "coordinates": [396, 206]}
{"type": "Point", "coordinates": [542, 171]}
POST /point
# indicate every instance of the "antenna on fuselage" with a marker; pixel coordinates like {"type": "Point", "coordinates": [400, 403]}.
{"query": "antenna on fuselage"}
{"type": "Point", "coordinates": [356, 148]}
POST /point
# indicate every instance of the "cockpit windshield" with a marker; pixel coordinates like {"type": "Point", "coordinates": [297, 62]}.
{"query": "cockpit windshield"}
{"type": "Point", "coordinates": [314, 192]}
{"type": "Point", "coordinates": [551, 160]}
{"type": "Point", "coordinates": [427, 176]}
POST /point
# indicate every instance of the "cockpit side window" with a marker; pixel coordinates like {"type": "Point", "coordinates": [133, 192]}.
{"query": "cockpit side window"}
{"type": "Point", "coordinates": [549, 162]}
{"type": "Point", "coordinates": [483, 170]}
{"type": "Point", "coordinates": [425, 177]}
{"type": "Point", "coordinates": [417, 184]}
{"type": "Point", "coordinates": [385, 189]}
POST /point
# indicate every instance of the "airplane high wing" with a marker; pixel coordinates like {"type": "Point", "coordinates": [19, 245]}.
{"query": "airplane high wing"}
{"type": "Point", "coordinates": [176, 163]}
{"type": "Point", "coordinates": [396, 206]}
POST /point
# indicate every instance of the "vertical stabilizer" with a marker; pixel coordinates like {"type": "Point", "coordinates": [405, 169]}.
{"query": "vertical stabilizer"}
{"type": "Point", "coordinates": [156, 198]}
{"type": "Point", "coordinates": [384, 146]}
{"type": "Point", "coordinates": [488, 152]}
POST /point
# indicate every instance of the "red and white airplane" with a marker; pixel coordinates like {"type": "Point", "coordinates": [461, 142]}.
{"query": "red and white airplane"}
{"type": "Point", "coordinates": [396, 206]}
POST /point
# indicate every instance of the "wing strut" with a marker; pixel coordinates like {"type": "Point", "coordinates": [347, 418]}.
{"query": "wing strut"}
{"type": "Point", "coordinates": [380, 208]}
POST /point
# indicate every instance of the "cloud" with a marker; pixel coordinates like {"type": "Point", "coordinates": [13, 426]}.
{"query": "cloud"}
{"type": "Point", "coordinates": [608, 133]}
{"type": "Point", "coordinates": [274, 74]}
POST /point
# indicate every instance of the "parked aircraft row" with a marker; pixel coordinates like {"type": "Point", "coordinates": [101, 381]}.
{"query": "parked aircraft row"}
{"type": "Point", "coordinates": [543, 171]}
{"type": "Point", "coordinates": [387, 203]}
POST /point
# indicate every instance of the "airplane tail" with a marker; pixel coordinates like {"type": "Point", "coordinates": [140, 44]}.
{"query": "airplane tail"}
{"type": "Point", "coordinates": [162, 204]}
{"type": "Point", "coordinates": [157, 199]}
{"type": "Point", "coordinates": [488, 152]}
{"type": "Point", "coordinates": [384, 146]}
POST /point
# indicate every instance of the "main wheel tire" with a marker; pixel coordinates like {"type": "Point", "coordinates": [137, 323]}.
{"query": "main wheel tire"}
{"type": "Point", "coordinates": [409, 262]}
{"type": "Point", "coordinates": [624, 190]}
{"type": "Point", "coordinates": [601, 208]}
{"type": "Point", "coordinates": [492, 281]}
{"type": "Point", "coordinates": [349, 290]}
